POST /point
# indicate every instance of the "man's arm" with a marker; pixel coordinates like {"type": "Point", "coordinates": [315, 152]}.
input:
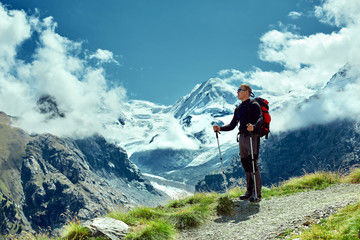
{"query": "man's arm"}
{"type": "Point", "coordinates": [229, 126]}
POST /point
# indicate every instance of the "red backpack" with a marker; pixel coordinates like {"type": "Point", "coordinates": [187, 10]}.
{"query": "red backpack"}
{"type": "Point", "coordinates": [265, 127]}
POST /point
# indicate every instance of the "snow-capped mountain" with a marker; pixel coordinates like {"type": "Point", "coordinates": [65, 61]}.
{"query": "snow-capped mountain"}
{"type": "Point", "coordinates": [191, 150]}
{"type": "Point", "coordinates": [345, 76]}
{"type": "Point", "coordinates": [214, 96]}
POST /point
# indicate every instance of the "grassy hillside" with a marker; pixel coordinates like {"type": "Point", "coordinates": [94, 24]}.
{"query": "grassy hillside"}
{"type": "Point", "coordinates": [164, 222]}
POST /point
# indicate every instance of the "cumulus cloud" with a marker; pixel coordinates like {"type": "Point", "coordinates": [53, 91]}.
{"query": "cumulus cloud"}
{"type": "Point", "coordinates": [309, 62]}
{"type": "Point", "coordinates": [14, 29]}
{"type": "Point", "coordinates": [230, 75]}
{"type": "Point", "coordinates": [55, 69]}
{"type": "Point", "coordinates": [338, 100]}
{"type": "Point", "coordinates": [339, 13]}
{"type": "Point", "coordinates": [172, 137]}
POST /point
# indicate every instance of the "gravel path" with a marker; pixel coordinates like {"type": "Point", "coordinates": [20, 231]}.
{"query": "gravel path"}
{"type": "Point", "coordinates": [267, 219]}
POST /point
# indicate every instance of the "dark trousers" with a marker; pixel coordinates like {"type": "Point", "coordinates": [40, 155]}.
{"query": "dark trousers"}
{"type": "Point", "coordinates": [246, 161]}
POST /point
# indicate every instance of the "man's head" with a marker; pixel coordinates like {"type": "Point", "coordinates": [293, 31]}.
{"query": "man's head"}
{"type": "Point", "coordinates": [244, 92]}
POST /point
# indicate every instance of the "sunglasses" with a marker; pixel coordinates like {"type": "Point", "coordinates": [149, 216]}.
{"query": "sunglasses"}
{"type": "Point", "coordinates": [239, 90]}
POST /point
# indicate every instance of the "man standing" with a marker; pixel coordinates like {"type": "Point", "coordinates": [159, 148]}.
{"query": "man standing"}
{"type": "Point", "coordinates": [248, 113]}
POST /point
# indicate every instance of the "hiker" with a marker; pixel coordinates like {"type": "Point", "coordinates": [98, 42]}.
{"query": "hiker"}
{"type": "Point", "coordinates": [248, 113]}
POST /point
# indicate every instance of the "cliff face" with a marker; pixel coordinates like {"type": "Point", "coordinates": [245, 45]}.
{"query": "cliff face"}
{"type": "Point", "coordinates": [55, 177]}
{"type": "Point", "coordinates": [12, 149]}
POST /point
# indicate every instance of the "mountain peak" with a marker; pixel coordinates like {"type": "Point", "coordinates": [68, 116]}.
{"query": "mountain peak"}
{"type": "Point", "coordinates": [212, 96]}
{"type": "Point", "coordinates": [344, 76]}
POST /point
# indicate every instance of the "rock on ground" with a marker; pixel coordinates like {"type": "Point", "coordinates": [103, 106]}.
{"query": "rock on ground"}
{"type": "Point", "coordinates": [107, 227]}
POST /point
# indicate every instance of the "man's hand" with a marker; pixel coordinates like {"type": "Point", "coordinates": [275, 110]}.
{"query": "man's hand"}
{"type": "Point", "coordinates": [250, 127]}
{"type": "Point", "coordinates": [216, 128]}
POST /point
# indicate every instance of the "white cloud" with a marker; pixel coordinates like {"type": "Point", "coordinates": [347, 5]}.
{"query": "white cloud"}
{"type": "Point", "coordinates": [172, 137]}
{"type": "Point", "coordinates": [293, 51]}
{"type": "Point", "coordinates": [339, 13]}
{"type": "Point", "coordinates": [13, 31]}
{"type": "Point", "coordinates": [336, 101]}
{"type": "Point", "coordinates": [56, 69]}
{"type": "Point", "coordinates": [230, 75]}
{"type": "Point", "coordinates": [104, 56]}
{"type": "Point", "coordinates": [294, 15]}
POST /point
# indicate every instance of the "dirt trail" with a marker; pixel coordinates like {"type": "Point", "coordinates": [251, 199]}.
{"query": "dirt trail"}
{"type": "Point", "coordinates": [267, 219]}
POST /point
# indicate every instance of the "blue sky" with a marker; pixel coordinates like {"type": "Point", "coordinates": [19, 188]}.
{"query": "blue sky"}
{"type": "Point", "coordinates": [92, 56]}
{"type": "Point", "coordinates": [164, 48]}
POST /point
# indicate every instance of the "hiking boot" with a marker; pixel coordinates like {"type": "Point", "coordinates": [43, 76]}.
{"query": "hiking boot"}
{"type": "Point", "coordinates": [245, 196]}
{"type": "Point", "coordinates": [253, 199]}
{"type": "Point", "coordinates": [249, 187]}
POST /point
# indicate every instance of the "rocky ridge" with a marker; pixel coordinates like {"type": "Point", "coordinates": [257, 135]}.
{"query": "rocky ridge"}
{"type": "Point", "coordinates": [56, 176]}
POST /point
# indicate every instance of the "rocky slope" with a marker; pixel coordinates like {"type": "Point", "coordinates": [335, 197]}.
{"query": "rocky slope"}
{"type": "Point", "coordinates": [12, 149]}
{"type": "Point", "coordinates": [56, 176]}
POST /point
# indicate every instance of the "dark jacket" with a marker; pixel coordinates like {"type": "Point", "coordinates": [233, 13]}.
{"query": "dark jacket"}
{"type": "Point", "coordinates": [247, 112]}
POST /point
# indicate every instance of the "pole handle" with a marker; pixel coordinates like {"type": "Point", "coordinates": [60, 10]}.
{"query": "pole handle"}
{"type": "Point", "coordinates": [217, 132]}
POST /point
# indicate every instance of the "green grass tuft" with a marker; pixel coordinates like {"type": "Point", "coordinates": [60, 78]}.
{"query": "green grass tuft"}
{"type": "Point", "coordinates": [184, 213]}
{"type": "Point", "coordinates": [315, 181]}
{"type": "Point", "coordinates": [190, 217]}
{"type": "Point", "coordinates": [344, 225]}
{"type": "Point", "coordinates": [225, 206]}
{"type": "Point", "coordinates": [198, 198]}
{"type": "Point", "coordinates": [137, 215]}
{"type": "Point", "coordinates": [353, 177]}
{"type": "Point", "coordinates": [75, 231]}
{"type": "Point", "coordinates": [236, 192]}
{"type": "Point", "coordinates": [155, 230]}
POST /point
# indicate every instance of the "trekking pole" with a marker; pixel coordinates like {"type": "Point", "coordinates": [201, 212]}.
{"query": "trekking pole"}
{"type": "Point", "coordinates": [253, 166]}
{"type": "Point", "coordinates": [222, 167]}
